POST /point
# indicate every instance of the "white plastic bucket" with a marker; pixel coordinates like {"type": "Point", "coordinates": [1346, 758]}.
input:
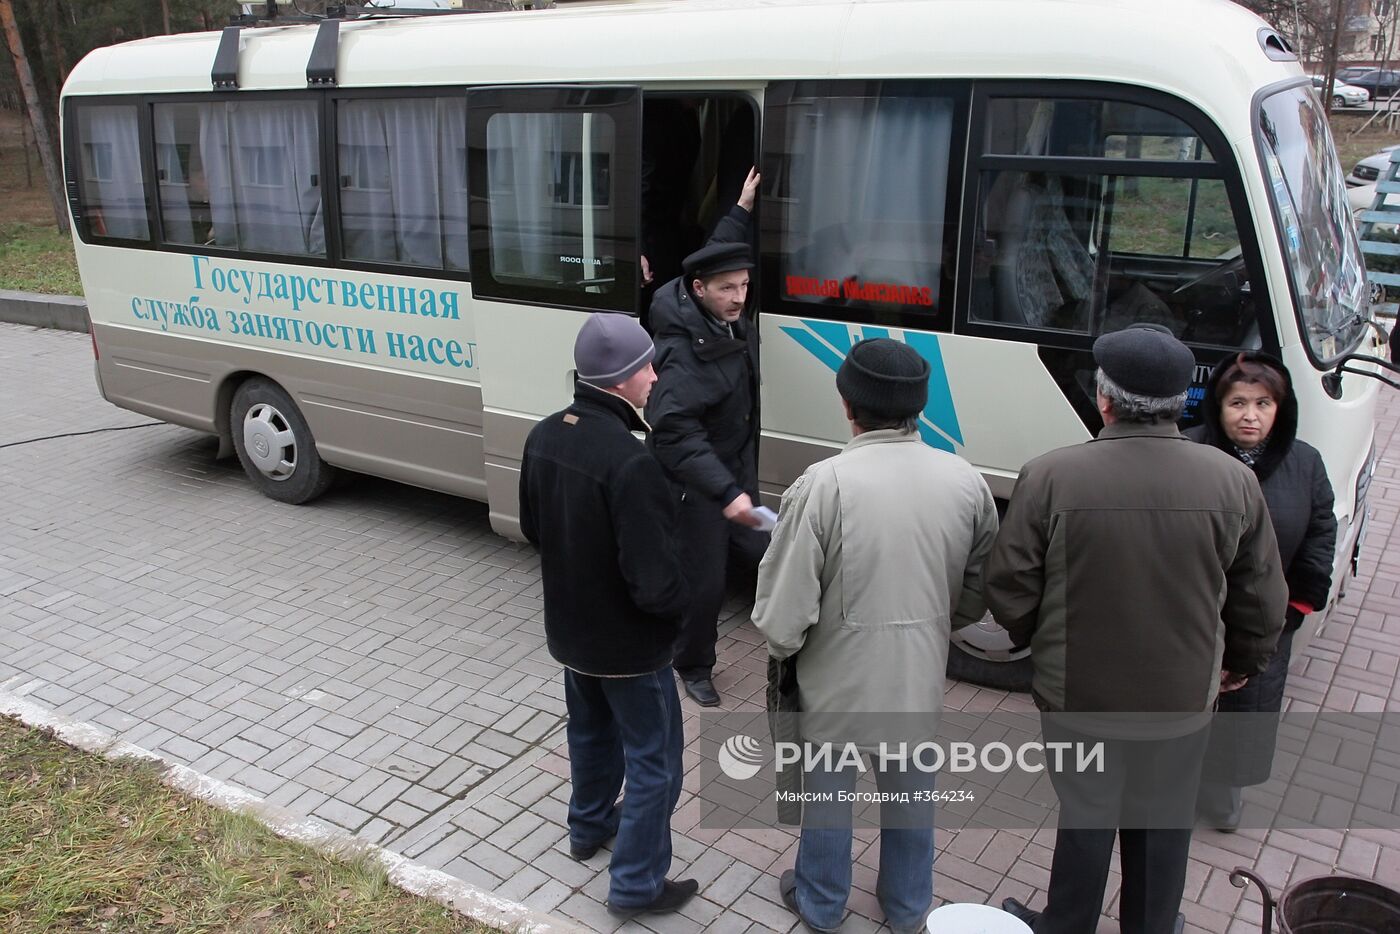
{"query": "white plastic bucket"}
{"type": "Point", "coordinates": [974, 919]}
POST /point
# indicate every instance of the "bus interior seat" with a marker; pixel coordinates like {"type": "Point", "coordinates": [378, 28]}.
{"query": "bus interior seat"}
{"type": "Point", "coordinates": [1042, 275]}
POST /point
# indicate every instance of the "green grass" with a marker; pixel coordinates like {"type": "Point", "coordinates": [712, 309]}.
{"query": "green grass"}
{"type": "Point", "coordinates": [1352, 146]}
{"type": "Point", "coordinates": [88, 844]}
{"type": "Point", "coordinates": [37, 258]}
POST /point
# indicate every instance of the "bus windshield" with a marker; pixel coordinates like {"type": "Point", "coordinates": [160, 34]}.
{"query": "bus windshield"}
{"type": "Point", "coordinates": [1314, 220]}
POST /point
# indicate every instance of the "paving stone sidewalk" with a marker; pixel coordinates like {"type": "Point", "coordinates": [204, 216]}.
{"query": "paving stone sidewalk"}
{"type": "Point", "coordinates": [377, 660]}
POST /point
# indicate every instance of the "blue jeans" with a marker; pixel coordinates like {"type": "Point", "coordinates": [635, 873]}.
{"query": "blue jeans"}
{"type": "Point", "coordinates": [905, 886]}
{"type": "Point", "coordinates": [625, 729]}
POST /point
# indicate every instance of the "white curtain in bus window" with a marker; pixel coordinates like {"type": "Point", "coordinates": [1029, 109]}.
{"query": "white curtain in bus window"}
{"type": "Point", "coordinates": [180, 175]}
{"type": "Point", "coordinates": [550, 185]}
{"type": "Point", "coordinates": [113, 189]}
{"type": "Point", "coordinates": [865, 192]}
{"type": "Point", "coordinates": [452, 159]}
{"type": "Point", "coordinates": [262, 161]}
{"type": "Point", "coordinates": [389, 181]}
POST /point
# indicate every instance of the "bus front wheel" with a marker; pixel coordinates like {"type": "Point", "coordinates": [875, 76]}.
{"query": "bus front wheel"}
{"type": "Point", "coordinates": [274, 444]}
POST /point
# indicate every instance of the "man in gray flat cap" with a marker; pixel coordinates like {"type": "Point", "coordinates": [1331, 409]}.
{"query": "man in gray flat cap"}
{"type": "Point", "coordinates": [1142, 571]}
{"type": "Point", "coordinates": [598, 507]}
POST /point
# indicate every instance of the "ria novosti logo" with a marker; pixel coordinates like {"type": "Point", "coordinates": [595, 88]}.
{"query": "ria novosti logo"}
{"type": "Point", "coordinates": [741, 757]}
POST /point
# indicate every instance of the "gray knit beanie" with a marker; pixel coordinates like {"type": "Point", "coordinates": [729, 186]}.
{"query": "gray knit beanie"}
{"type": "Point", "coordinates": [610, 348]}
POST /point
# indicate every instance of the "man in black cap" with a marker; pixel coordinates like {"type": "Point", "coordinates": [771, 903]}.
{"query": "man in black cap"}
{"type": "Point", "coordinates": [601, 512]}
{"type": "Point", "coordinates": [877, 557]}
{"type": "Point", "coordinates": [704, 420]}
{"type": "Point", "coordinates": [1142, 571]}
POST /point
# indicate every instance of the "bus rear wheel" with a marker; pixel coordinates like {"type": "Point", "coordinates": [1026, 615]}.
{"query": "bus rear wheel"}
{"type": "Point", "coordinates": [274, 444]}
{"type": "Point", "coordinates": [983, 654]}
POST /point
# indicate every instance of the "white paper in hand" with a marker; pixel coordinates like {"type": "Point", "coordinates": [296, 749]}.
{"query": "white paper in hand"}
{"type": "Point", "coordinates": [767, 518]}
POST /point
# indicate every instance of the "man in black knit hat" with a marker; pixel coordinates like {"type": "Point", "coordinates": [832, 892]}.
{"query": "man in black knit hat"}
{"type": "Point", "coordinates": [598, 507]}
{"type": "Point", "coordinates": [877, 557]}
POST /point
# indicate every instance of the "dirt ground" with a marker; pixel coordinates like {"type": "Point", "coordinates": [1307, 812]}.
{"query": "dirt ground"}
{"type": "Point", "coordinates": [23, 197]}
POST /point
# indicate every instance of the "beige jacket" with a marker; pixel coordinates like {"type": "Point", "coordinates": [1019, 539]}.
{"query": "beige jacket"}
{"type": "Point", "coordinates": [877, 557]}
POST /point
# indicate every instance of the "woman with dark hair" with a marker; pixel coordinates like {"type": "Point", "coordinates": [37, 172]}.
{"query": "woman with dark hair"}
{"type": "Point", "coordinates": [1250, 412]}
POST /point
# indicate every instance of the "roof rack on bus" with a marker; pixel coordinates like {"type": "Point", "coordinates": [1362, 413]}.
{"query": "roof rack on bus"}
{"type": "Point", "coordinates": [321, 67]}
{"type": "Point", "coordinates": [224, 75]}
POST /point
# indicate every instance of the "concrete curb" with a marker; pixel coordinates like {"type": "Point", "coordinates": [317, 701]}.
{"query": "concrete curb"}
{"type": "Point", "coordinates": [475, 903]}
{"type": "Point", "coordinates": [64, 312]}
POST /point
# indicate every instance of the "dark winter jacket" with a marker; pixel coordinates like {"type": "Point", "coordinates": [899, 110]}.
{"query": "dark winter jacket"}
{"type": "Point", "coordinates": [704, 407]}
{"type": "Point", "coordinates": [1295, 486]}
{"type": "Point", "coordinates": [1136, 566]}
{"type": "Point", "coordinates": [598, 507]}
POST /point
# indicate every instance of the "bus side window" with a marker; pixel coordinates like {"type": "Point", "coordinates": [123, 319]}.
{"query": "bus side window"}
{"type": "Point", "coordinates": [186, 215]}
{"type": "Point", "coordinates": [858, 224]}
{"type": "Point", "coordinates": [554, 182]}
{"type": "Point", "coordinates": [111, 187]}
{"type": "Point", "coordinates": [401, 172]}
{"type": "Point", "coordinates": [241, 175]}
{"type": "Point", "coordinates": [1144, 232]}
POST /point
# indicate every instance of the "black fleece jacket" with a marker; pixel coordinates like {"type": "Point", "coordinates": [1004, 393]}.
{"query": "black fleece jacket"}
{"type": "Point", "coordinates": [599, 508]}
{"type": "Point", "coordinates": [704, 406]}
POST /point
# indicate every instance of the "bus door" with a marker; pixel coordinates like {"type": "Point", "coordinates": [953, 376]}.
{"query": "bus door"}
{"type": "Point", "coordinates": [553, 217]}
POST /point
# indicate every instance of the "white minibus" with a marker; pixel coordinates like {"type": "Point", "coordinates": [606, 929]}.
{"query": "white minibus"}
{"type": "Point", "coordinates": [368, 244]}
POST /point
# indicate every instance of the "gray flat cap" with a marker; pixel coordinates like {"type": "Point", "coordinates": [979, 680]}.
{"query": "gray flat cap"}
{"type": "Point", "coordinates": [1146, 359]}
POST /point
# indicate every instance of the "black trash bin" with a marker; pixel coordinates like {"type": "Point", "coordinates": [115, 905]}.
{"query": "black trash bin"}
{"type": "Point", "coordinates": [1328, 905]}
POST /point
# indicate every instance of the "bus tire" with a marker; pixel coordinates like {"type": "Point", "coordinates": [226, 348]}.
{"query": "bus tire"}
{"type": "Point", "coordinates": [274, 444]}
{"type": "Point", "coordinates": [1014, 675]}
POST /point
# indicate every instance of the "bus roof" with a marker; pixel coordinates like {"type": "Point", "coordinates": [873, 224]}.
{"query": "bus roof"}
{"type": "Point", "coordinates": [1203, 50]}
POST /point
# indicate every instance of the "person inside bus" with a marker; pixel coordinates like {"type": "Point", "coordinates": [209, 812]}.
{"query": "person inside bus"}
{"type": "Point", "coordinates": [670, 144]}
{"type": "Point", "coordinates": [704, 419]}
{"type": "Point", "coordinates": [1251, 413]}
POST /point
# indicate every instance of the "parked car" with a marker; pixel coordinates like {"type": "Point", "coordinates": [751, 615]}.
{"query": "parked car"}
{"type": "Point", "coordinates": [1368, 170]}
{"type": "Point", "coordinates": [1360, 199]}
{"type": "Point", "coordinates": [1343, 94]}
{"type": "Point", "coordinates": [1380, 83]}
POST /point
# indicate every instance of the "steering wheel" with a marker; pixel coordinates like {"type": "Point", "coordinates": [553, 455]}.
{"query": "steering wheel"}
{"type": "Point", "coordinates": [1228, 274]}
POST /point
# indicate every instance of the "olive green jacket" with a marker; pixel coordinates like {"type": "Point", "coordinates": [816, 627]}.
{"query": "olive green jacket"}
{"type": "Point", "coordinates": [1137, 566]}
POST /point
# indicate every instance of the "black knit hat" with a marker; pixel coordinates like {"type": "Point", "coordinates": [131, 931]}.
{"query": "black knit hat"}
{"type": "Point", "coordinates": [885, 378]}
{"type": "Point", "coordinates": [1146, 359]}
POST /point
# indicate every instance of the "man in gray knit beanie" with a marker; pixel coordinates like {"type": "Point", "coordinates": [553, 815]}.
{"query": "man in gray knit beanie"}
{"type": "Point", "coordinates": [600, 510]}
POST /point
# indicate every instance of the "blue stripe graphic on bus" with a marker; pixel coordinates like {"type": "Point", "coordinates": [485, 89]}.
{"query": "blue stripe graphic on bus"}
{"type": "Point", "coordinates": [830, 341]}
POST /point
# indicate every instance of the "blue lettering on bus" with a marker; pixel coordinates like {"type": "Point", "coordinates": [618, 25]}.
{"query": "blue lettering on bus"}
{"type": "Point", "coordinates": [830, 341]}
{"type": "Point", "coordinates": [323, 290]}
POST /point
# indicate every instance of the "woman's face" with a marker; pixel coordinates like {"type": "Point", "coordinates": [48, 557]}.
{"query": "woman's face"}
{"type": "Point", "coordinates": [1247, 412]}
